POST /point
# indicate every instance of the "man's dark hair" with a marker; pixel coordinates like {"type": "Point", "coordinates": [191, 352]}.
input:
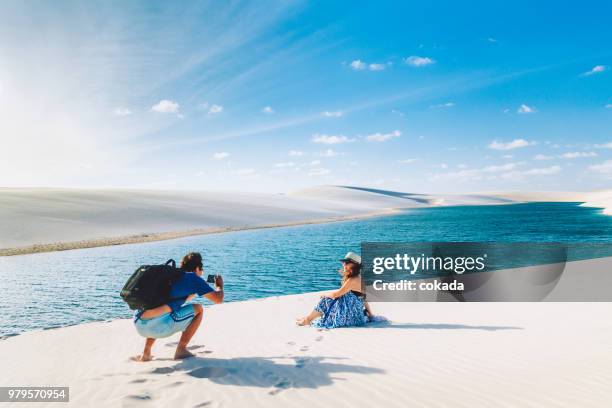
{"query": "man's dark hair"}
{"type": "Point", "coordinates": [191, 262]}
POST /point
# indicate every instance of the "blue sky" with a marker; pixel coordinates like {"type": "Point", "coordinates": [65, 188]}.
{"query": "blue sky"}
{"type": "Point", "coordinates": [276, 96]}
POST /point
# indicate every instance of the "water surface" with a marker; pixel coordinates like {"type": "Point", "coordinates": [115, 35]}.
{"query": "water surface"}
{"type": "Point", "coordinates": [62, 288]}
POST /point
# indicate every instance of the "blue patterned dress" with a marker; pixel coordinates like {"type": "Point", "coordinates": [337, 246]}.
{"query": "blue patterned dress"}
{"type": "Point", "coordinates": [347, 310]}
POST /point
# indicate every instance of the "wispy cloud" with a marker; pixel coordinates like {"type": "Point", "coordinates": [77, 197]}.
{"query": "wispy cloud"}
{"type": "Point", "coordinates": [332, 114]}
{"type": "Point", "coordinates": [544, 171]}
{"type": "Point", "coordinates": [267, 109]}
{"type": "Point", "coordinates": [416, 61]}
{"type": "Point", "coordinates": [220, 155]}
{"type": "Point", "coordinates": [477, 173]}
{"type": "Point", "coordinates": [329, 153]}
{"type": "Point", "coordinates": [602, 168]}
{"type": "Point", "coordinates": [330, 139]}
{"type": "Point", "coordinates": [577, 155]}
{"type": "Point", "coordinates": [407, 161]}
{"type": "Point", "coordinates": [597, 69]}
{"type": "Point", "coordinates": [524, 109]}
{"type": "Point", "coordinates": [359, 65]}
{"type": "Point", "coordinates": [515, 144]}
{"type": "Point", "coordinates": [604, 146]}
{"type": "Point", "coordinates": [284, 165]}
{"type": "Point", "coordinates": [295, 153]}
{"type": "Point", "coordinates": [443, 105]}
{"type": "Point", "coordinates": [609, 106]}
{"type": "Point", "coordinates": [319, 171]}
{"type": "Point", "coordinates": [383, 137]}
{"type": "Point", "coordinates": [166, 106]}
{"type": "Point", "coordinates": [215, 109]}
{"type": "Point", "coordinates": [543, 157]}
{"type": "Point", "coordinates": [122, 112]}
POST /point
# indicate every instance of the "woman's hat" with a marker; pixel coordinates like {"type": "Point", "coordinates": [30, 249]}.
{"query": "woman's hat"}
{"type": "Point", "coordinates": [351, 257]}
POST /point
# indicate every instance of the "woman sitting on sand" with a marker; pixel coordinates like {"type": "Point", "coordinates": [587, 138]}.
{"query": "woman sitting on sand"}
{"type": "Point", "coordinates": [346, 306]}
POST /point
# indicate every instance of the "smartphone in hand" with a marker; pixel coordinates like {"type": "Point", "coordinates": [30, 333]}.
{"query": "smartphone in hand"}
{"type": "Point", "coordinates": [210, 279]}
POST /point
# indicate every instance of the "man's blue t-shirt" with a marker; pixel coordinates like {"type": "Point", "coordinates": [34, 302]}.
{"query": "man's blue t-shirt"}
{"type": "Point", "coordinates": [188, 284]}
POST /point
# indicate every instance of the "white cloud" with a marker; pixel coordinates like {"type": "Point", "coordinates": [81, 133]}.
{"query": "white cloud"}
{"type": "Point", "coordinates": [295, 153]}
{"type": "Point", "coordinates": [609, 106]}
{"type": "Point", "coordinates": [329, 153]}
{"type": "Point", "coordinates": [246, 173]}
{"type": "Point", "coordinates": [407, 161]}
{"type": "Point", "coordinates": [122, 112]}
{"type": "Point", "coordinates": [492, 40]}
{"type": "Point", "coordinates": [543, 157]}
{"type": "Point", "coordinates": [546, 171]}
{"type": "Point", "coordinates": [214, 109]}
{"type": "Point", "coordinates": [165, 106]}
{"type": "Point", "coordinates": [523, 109]}
{"type": "Point", "coordinates": [515, 144]}
{"type": "Point", "coordinates": [604, 146]}
{"type": "Point", "coordinates": [507, 156]}
{"type": "Point", "coordinates": [443, 105]}
{"type": "Point", "coordinates": [319, 171]}
{"type": "Point", "coordinates": [220, 155]}
{"type": "Point", "coordinates": [332, 114]}
{"type": "Point", "coordinates": [314, 163]}
{"type": "Point", "coordinates": [284, 164]}
{"type": "Point", "coordinates": [359, 65]}
{"type": "Point", "coordinates": [383, 137]}
{"type": "Point", "coordinates": [377, 67]}
{"type": "Point", "coordinates": [268, 110]}
{"type": "Point", "coordinates": [602, 168]}
{"type": "Point", "coordinates": [416, 61]}
{"type": "Point", "coordinates": [476, 173]}
{"type": "Point", "coordinates": [330, 139]}
{"type": "Point", "coordinates": [597, 69]}
{"type": "Point", "coordinates": [577, 155]}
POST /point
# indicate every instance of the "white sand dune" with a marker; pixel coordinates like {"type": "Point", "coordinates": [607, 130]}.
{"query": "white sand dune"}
{"type": "Point", "coordinates": [36, 220]}
{"type": "Point", "coordinates": [251, 354]}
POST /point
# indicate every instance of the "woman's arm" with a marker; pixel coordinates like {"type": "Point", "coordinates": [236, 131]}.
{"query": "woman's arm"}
{"type": "Point", "coordinates": [345, 288]}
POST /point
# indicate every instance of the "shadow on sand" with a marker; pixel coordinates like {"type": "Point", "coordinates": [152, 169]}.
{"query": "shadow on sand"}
{"type": "Point", "coordinates": [437, 326]}
{"type": "Point", "coordinates": [277, 373]}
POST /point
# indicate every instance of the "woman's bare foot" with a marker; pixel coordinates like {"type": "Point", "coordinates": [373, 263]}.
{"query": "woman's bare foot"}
{"type": "Point", "coordinates": [182, 353]}
{"type": "Point", "coordinates": [143, 358]}
{"type": "Point", "coordinates": [303, 321]}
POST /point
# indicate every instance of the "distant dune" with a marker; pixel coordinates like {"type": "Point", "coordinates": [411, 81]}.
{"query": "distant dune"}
{"type": "Point", "coordinates": [38, 220]}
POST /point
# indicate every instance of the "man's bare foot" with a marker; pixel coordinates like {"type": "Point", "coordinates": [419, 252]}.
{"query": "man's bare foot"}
{"type": "Point", "coordinates": [143, 358]}
{"type": "Point", "coordinates": [182, 353]}
{"type": "Point", "coordinates": [302, 321]}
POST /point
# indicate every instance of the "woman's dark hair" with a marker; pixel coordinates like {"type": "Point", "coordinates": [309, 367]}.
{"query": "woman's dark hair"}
{"type": "Point", "coordinates": [191, 262]}
{"type": "Point", "coordinates": [354, 269]}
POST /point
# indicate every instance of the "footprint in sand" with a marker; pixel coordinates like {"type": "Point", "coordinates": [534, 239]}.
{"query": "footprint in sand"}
{"type": "Point", "coordinates": [291, 343]}
{"type": "Point", "coordinates": [282, 385]}
{"type": "Point", "coordinates": [203, 404]}
{"type": "Point", "coordinates": [301, 362]}
{"type": "Point", "coordinates": [138, 381]}
{"type": "Point", "coordinates": [141, 397]}
{"type": "Point", "coordinates": [163, 370]}
{"type": "Point", "coordinates": [319, 338]}
{"type": "Point", "coordinates": [304, 348]}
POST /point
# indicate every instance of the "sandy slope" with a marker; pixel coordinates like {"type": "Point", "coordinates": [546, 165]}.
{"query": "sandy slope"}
{"type": "Point", "coordinates": [251, 354]}
{"type": "Point", "coordinates": [36, 220]}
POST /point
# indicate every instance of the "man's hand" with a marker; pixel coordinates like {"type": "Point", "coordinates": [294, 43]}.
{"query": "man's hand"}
{"type": "Point", "coordinates": [219, 282]}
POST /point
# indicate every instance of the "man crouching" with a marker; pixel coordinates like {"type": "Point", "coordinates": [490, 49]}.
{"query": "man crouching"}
{"type": "Point", "coordinates": [176, 316]}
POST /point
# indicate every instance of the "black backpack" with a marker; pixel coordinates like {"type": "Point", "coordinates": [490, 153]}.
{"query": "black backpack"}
{"type": "Point", "coordinates": [149, 287]}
